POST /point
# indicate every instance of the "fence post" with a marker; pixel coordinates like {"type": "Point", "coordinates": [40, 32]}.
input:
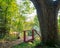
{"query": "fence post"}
{"type": "Point", "coordinates": [24, 36]}
{"type": "Point", "coordinates": [33, 34]}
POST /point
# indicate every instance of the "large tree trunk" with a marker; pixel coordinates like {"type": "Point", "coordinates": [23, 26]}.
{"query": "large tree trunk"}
{"type": "Point", "coordinates": [47, 16]}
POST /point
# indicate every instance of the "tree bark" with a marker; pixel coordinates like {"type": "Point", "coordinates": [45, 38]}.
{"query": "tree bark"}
{"type": "Point", "coordinates": [47, 15]}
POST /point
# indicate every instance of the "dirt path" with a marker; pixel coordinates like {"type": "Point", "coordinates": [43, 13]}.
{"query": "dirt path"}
{"type": "Point", "coordinates": [9, 44]}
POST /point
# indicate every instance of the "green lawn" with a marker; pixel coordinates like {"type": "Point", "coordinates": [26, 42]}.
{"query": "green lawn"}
{"type": "Point", "coordinates": [29, 44]}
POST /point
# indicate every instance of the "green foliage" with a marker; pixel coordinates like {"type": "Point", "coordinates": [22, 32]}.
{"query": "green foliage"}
{"type": "Point", "coordinates": [13, 16]}
{"type": "Point", "coordinates": [25, 7]}
{"type": "Point", "coordinates": [19, 16]}
{"type": "Point", "coordinates": [36, 22]}
{"type": "Point", "coordinates": [6, 11]}
{"type": "Point", "coordinates": [3, 14]}
{"type": "Point", "coordinates": [24, 10]}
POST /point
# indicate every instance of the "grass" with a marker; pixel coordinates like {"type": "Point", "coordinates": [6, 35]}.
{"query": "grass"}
{"type": "Point", "coordinates": [29, 44]}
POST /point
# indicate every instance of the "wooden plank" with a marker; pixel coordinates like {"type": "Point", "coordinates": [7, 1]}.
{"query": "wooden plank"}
{"type": "Point", "coordinates": [28, 38]}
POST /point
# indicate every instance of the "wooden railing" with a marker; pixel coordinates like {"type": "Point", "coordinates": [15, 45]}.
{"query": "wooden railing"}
{"type": "Point", "coordinates": [31, 39]}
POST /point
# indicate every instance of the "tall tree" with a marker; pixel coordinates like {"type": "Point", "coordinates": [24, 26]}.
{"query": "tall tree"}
{"type": "Point", "coordinates": [47, 15]}
{"type": "Point", "coordinates": [6, 11]}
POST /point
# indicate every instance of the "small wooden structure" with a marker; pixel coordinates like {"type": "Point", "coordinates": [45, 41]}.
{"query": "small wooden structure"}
{"type": "Point", "coordinates": [29, 38]}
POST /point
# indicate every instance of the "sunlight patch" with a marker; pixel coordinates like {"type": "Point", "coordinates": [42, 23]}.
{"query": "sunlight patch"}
{"type": "Point", "coordinates": [54, 0]}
